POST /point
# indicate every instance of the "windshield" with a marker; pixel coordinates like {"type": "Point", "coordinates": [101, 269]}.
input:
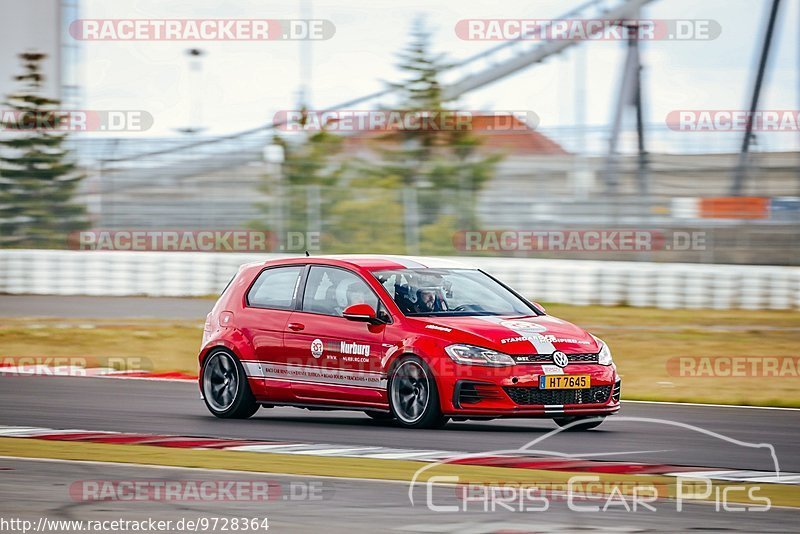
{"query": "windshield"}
{"type": "Point", "coordinates": [450, 292]}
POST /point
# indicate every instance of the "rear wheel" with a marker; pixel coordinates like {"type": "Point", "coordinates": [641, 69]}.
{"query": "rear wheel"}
{"type": "Point", "coordinates": [581, 423]}
{"type": "Point", "coordinates": [225, 389]}
{"type": "Point", "coordinates": [413, 395]}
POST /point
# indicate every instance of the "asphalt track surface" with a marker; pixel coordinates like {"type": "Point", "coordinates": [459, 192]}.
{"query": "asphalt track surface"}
{"type": "Point", "coordinates": [175, 408]}
{"type": "Point", "coordinates": [31, 489]}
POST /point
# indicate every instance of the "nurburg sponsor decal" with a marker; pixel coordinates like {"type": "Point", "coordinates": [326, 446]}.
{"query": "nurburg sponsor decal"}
{"type": "Point", "coordinates": [353, 348]}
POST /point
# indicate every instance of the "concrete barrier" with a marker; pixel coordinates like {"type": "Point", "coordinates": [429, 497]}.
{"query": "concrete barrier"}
{"type": "Point", "coordinates": [178, 274]}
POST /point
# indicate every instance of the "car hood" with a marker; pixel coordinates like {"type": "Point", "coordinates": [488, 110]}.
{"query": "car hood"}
{"type": "Point", "coordinates": [541, 334]}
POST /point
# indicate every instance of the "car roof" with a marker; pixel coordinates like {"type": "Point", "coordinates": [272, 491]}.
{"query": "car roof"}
{"type": "Point", "coordinates": [377, 262]}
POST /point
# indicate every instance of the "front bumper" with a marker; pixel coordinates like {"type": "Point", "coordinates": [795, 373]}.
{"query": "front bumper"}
{"type": "Point", "coordinates": [514, 392]}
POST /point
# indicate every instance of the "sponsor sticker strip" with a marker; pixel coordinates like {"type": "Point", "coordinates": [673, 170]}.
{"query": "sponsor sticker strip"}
{"type": "Point", "coordinates": [321, 375]}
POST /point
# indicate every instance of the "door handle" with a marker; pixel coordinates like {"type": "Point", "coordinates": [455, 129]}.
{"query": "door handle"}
{"type": "Point", "coordinates": [296, 326]}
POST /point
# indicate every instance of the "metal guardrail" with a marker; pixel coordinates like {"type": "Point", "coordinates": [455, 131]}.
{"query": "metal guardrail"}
{"type": "Point", "coordinates": [639, 284]}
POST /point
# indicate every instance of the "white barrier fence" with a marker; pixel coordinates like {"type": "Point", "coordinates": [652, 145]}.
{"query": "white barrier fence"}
{"type": "Point", "coordinates": [178, 274]}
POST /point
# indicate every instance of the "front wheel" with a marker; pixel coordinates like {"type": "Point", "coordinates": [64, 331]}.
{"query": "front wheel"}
{"type": "Point", "coordinates": [581, 423]}
{"type": "Point", "coordinates": [225, 389]}
{"type": "Point", "coordinates": [413, 395]}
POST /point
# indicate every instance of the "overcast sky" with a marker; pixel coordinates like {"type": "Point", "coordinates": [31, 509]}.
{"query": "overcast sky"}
{"type": "Point", "coordinates": [244, 83]}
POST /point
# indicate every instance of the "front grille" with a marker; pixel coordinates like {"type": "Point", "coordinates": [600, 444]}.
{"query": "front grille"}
{"type": "Point", "coordinates": [548, 358]}
{"type": "Point", "coordinates": [528, 396]}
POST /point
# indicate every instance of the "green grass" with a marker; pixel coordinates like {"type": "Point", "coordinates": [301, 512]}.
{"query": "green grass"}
{"type": "Point", "coordinates": [161, 345]}
{"type": "Point", "coordinates": [642, 340]}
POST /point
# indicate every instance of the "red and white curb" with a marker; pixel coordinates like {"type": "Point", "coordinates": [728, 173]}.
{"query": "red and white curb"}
{"type": "Point", "coordinates": [390, 453]}
{"type": "Point", "coordinates": [92, 372]}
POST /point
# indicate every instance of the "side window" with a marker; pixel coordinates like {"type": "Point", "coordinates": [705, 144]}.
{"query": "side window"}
{"type": "Point", "coordinates": [275, 288]}
{"type": "Point", "coordinates": [388, 284]}
{"type": "Point", "coordinates": [329, 291]}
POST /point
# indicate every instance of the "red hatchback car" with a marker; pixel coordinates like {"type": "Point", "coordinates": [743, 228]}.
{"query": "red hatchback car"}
{"type": "Point", "coordinates": [418, 340]}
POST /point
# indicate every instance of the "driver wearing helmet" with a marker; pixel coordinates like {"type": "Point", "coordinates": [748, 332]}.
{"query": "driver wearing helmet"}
{"type": "Point", "coordinates": [426, 300]}
{"type": "Point", "coordinates": [430, 299]}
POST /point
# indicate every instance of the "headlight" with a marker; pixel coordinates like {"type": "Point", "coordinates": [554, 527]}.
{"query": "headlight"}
{"type": "Point", "coordinates": [604, 356]}
{"type": "Point", "coordinates": [472, 355]}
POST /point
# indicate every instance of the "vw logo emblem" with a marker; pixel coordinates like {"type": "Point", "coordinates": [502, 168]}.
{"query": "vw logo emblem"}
{"type": "Point", "coordinates": [560, 359]}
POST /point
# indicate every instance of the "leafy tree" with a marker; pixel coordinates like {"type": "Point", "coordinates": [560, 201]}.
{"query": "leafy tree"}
{"type": "Point", "coordinates": [38, 180]}
{"type": "Point", "coordinates": [362, 202]}
{"type": "Point", "coordinates": [308, 163]}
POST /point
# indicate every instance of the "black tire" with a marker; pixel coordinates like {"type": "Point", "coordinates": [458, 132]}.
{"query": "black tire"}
{"type": "Point", "coordinates": [225, 389]}
{"type": "Point", "coordinates": [591, 422]}
{"type": "Point", "coordinates": [379, 416]}
{"type": "Point", "coordinates": [413, 395]}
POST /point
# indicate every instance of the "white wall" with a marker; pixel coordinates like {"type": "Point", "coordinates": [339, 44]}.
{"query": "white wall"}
{"type": "Point", "coordinates": [662, 285]}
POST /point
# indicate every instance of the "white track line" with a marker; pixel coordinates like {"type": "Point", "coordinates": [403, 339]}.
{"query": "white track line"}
{"type": "Point", "coordinates": [121, 375]}
{"type": "Point", "coordinates": [271, 474]}
{"type": "Point", "coordinates": [388, 453]}
{"type": "Point", "coordinates": [667, 403]}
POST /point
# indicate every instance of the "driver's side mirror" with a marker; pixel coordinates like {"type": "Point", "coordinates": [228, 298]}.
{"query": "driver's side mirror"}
{"type": "Point", "coordinates": [361, 312]}
{"type": "Point", "coordinates": [540, 307]}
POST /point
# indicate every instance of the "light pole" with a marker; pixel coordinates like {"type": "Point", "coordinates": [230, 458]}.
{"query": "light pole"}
{"type": "Point", "coordinates": [195, 92]}
{"type": "Point", "coordinates": [274, 156]}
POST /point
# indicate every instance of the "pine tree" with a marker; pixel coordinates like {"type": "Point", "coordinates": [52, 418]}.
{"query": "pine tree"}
{"type": "Point", "coordinates": [441, 159]}
{"type": "Point", "coordinates": [433, 161]}
{"type": "Point", "coordinates": [37, 179]}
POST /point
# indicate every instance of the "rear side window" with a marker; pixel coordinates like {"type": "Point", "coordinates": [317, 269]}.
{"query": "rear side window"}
{"type": "Point", "coordinates": [275, 288]}
{"type": "Point", "coordinates": [329, 291]}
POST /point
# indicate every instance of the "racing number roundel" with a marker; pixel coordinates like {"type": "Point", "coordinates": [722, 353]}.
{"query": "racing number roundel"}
{"type": "Point", "coordinates": [523, 325]}
{"type": "Point", "coordinates": [317, 348]}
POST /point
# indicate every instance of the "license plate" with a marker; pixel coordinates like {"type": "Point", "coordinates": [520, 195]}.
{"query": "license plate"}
{"type": "Point", "coordinates": [564, 382]}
